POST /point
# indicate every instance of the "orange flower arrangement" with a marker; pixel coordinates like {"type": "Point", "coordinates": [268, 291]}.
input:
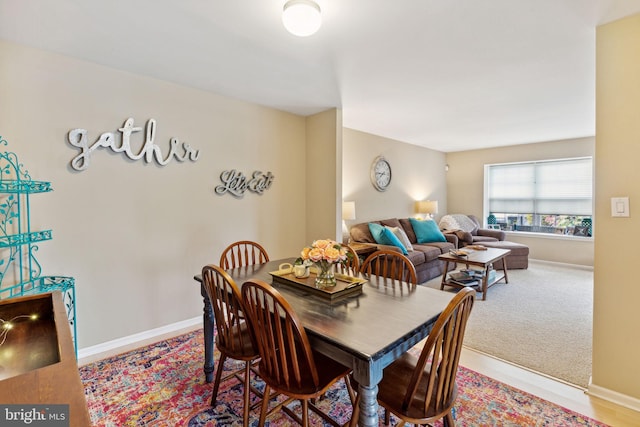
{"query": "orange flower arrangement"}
{"type": "Point", "coordinates": [326, 250]}
{"type": "Point", "coordinates": [325, 254]}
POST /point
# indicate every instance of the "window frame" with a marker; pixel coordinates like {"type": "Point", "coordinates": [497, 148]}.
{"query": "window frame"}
{"type": "Point", "coordinates": [486, 201]}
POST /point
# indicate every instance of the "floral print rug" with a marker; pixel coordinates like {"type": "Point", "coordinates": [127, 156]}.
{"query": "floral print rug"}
{"type": "Point", "coordinates": [163, 385]}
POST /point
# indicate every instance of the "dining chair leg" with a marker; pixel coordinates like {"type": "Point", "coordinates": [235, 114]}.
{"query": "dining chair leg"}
{"type": "Point", "coordinates": [356, 411]}
{"type": "Point", "coordinates": [265, 406]}
{"type": "Point", "coordinates": [216, 382]}
{"type": "Point", "coordinates": [247, 389]}
{"type": "Point", "coordinates": [305, 412]}
{"type": "Point", "coordinates": [352, 393]}
{"type": "Point", "coordinates": [448, 420]}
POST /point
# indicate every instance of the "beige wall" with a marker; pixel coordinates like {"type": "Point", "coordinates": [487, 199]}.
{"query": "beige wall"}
{"type": "Point", "coordinates": [465, 192]}
{"type": "Point", "coordinates": [134, 234]}
{"type": "Point", "coordinates": [616, 333]}
{"type": "Point", "coordinates": [324, 175]}
{"type": "Point", "coordinates": [417, 174]}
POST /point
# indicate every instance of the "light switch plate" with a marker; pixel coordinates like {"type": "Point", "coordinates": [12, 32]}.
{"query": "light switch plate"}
{"type": "Point", "coordinates": [620, 206]}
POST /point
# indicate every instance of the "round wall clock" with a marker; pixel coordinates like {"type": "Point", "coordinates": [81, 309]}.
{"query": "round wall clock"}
{"type": "Point", "coordinates": [380, 173]}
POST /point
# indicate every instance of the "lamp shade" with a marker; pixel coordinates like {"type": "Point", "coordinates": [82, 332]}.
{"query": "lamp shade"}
{"type": "Point", "coordinates": [348, 211]}
{"type": "Point", "coordinates": [301, 17]}
{"type": "Point", "coordinates": [427, 207]}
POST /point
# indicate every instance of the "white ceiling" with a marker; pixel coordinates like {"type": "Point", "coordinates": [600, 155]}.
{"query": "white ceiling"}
{"type": "Point", "coordinates": [445, 74]}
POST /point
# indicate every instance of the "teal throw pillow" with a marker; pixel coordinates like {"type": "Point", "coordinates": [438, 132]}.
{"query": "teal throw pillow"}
{"type": "Point", "coordinates": [384, 236]}
{"type": "Point", "coordinates": [376, 232]}
{"type": "Point", "coordinates": [427, 231]}
{"type": "Point", "coordinates": [392, 239]}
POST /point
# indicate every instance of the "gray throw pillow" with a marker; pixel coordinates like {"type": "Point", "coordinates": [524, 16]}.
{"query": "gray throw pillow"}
{"type": "Point", "coordinates": [402, 236]}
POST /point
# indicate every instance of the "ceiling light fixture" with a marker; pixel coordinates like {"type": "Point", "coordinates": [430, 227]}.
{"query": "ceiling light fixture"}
{"type": "Point", "coordinates": [301, 17]}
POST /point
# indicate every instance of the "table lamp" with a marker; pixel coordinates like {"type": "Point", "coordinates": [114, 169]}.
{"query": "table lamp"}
{"type": "Point", "coordinates": [427, 208]}
{"type": "Point", "coordinates": [348, 214]}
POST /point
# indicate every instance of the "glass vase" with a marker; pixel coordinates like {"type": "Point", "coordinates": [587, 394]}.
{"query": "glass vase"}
{"type": "Point", "coordinates": [325, 277]}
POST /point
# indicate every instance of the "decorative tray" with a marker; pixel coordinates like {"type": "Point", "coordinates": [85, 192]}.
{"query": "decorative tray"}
{"type": "Point", "coordinates": [346, 286]}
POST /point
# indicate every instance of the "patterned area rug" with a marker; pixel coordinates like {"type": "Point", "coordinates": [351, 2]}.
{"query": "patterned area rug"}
{"type": "Point", "coordinates": [163, 385]}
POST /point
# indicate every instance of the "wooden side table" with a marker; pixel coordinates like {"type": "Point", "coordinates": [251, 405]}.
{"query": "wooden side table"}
{"type": "Point", "coordinates": [478, 258]}
{"type": "Point", "coordinates": [364, 249]}
{"type": "Point", "coordinates": [39, 358]}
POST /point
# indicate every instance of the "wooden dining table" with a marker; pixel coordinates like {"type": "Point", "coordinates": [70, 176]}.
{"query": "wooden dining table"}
{"type": "Point", "coordinates": [366, 332]}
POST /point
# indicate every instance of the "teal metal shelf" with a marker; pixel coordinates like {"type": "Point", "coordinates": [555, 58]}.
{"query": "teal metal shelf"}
{"type": "Point", "coordinates": [20, 271]}
{"type": "Point", "coordinates": [24, 239]}
{"type": "Point", "coordinates": [24, 187]}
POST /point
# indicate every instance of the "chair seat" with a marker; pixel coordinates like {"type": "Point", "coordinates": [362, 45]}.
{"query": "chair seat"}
{"type": "Point", "coordinates": [391, 392]}
{"type": "Point", "coordinates": [329, 371]}
{"type": "Point", "coordinates": [242, 348]}
{"type": "Point", "coordinates": [420, 390]}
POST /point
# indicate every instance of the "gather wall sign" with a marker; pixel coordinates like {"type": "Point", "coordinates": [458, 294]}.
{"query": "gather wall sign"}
{"type": "Point", "coordinates": [149, 151]}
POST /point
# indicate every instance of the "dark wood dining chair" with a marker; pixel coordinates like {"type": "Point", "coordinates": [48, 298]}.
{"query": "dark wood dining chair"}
{"type": "Point", "coordinates": [422, 390]}
{"type": "Point", "coordinates": [243, 253]}
{"type": "Point", "coordinates": [390, 264]}
{"type": "Point", "coordinates": [233, 338]}
{"type": "Point", "coordinates": [351, 267]}
{"type": "Point", "coordinates": [288, 365]}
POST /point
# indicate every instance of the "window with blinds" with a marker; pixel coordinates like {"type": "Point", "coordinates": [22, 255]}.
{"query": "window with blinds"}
{"type": "Point", "coordinates": [551, 196]}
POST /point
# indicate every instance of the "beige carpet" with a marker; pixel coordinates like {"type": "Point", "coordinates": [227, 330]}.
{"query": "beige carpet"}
{"type": "Point", "coordinates": [541, 319]}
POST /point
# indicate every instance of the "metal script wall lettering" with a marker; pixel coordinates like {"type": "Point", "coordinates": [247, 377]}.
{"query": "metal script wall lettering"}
{"type": "Point", "coordinates": [150, 151]}
{"type": "Point", "coordinates": [235, 183]}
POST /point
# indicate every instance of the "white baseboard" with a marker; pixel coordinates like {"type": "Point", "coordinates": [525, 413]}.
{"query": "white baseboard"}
{"type": "Point", "coordinates": [614, 397]}
{"type": "Point", "coordinates": [561, 264]}
{"type": "Point", "coordinates": [120, 345]}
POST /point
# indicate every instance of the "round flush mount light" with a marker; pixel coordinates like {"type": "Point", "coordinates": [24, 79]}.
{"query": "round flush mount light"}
{"type": "Point", "coordinates": [301, 17]}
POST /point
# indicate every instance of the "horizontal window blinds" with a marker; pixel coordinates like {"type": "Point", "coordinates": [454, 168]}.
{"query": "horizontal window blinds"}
{"type": "Point", "coordinates": [556, 187]}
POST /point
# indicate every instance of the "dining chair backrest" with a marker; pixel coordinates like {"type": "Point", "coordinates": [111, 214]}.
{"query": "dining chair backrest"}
{"type": "Point", "coordinates": [390, 264]}
{"type": "Point", "coordinates": [243, 253]}
{"type": "Point", "coordinates": [228, 310]}
{"type": "Point", "coordinates": [351, 266]}
{"type": "Point", "coordinates": [234, 338]}
{"type": "Point", "coordinates": [441, 352]}
{"type": "Point", "coordinates": [286, 358]}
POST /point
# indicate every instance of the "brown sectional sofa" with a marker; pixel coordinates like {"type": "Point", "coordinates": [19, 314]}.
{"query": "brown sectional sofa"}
{"type": "Point", "coordinates": [424, 255]}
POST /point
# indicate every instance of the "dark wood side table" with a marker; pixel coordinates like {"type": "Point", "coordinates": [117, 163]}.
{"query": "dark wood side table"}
{"type": "Point", "coordinates": [39, 360]}
{"type": "Point", "coordinates": [363, 249]}
{"type": "Point", "coordinates": [478, 258]}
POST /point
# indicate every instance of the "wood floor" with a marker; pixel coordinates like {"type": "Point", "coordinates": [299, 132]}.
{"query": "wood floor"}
{"type": "Point", "coordinates": [565, 395]}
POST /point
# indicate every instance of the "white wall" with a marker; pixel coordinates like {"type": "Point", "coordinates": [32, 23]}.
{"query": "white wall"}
{"type": "Point", "coordinates": [417, 174]}
{"type": "Point", "coordinates": [134, 234]}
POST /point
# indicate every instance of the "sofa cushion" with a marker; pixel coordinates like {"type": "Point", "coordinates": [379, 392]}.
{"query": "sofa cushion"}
{"type": "Point", "coordinates": [384, 236]}
{"type": "Point", "coordinates": [402, 236]}
{"type": "Point", "coordinates": [361, 233]}
{"type": "Point", "coordinates": [430, 252]}
{"type": "Point", "coordinates": [483, 239]}
{"type": "Point", "coordinates": [391, 222]}
{"type": "Point", "coordinates": [406, 226]}
{"type": "Point", "coordinates": [427, 231]}
{"type": "Point", "coordinates": [417, 258]}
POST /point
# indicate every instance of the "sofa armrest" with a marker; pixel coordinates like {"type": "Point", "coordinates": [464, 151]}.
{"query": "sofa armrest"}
{"type": "Point", "coordinates": [498, 234]}
{"type": "Point", "coordinates": [464, 237]}
{"type": "Point", "coordinates": [451, 238]}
